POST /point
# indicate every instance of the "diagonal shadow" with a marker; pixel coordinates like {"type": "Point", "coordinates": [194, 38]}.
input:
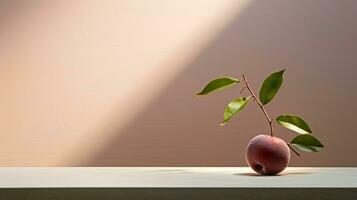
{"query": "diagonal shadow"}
{"type": "Point", "coordinates": [178, 129]}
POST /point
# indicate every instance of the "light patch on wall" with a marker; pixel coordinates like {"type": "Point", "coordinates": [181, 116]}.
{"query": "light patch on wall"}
{"type": "Point", "coordinates": [68, 69]}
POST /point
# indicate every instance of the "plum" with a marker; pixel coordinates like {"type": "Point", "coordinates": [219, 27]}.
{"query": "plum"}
{"type": "Point", "coordinates": [267, 155]}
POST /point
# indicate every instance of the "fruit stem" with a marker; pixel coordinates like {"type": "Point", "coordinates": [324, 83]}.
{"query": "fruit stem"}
{"type": "Point", "coordinates": [259, 104]}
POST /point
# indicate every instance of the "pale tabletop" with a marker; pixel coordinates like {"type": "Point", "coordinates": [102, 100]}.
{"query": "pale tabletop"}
{"type": "Point", "coordinates": [175, 177]}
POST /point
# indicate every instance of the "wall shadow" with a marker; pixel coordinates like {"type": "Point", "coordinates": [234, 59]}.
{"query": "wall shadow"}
{"type": "Point", "coordinates": [315, 40]}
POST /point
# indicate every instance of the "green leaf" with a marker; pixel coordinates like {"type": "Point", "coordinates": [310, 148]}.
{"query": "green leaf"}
{"type": "Point", "coordinates": [218, 84]}
{"type": "Point", "coordinates": [294, 123]}
{"type": "Point", "coordinates": [307, 142]}
{"type": "Point", "coordinates": [271, 86]}
{"type": "Point", "coordinates": [234, 107]}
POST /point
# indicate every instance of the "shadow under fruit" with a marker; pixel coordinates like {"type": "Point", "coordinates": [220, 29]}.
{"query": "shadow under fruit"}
{"type": "Point", "coordinates": [267, 154]}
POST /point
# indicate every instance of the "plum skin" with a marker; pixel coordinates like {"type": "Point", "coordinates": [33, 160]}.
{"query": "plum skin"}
{"type": "Point", "coordinates": [267, 155]}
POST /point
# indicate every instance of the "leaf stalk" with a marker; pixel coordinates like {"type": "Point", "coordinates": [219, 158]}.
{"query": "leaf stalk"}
{"type": "Point", "coordinates": [292, 149]}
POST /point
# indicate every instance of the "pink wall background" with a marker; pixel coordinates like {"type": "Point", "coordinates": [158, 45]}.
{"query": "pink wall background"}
{"type": "Point", "coordinates": [112, 83]}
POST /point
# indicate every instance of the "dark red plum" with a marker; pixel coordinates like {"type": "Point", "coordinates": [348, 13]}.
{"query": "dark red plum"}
{"type": "Point", "coordinates": [267, 155]}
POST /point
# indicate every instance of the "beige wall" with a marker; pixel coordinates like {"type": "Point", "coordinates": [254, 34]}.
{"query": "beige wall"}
{"type": "Point", "coordinates": [112, 83]}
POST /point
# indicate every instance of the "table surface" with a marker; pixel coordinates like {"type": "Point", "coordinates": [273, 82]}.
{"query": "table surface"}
{"type": "Point", "coordinates": [175, 177]}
